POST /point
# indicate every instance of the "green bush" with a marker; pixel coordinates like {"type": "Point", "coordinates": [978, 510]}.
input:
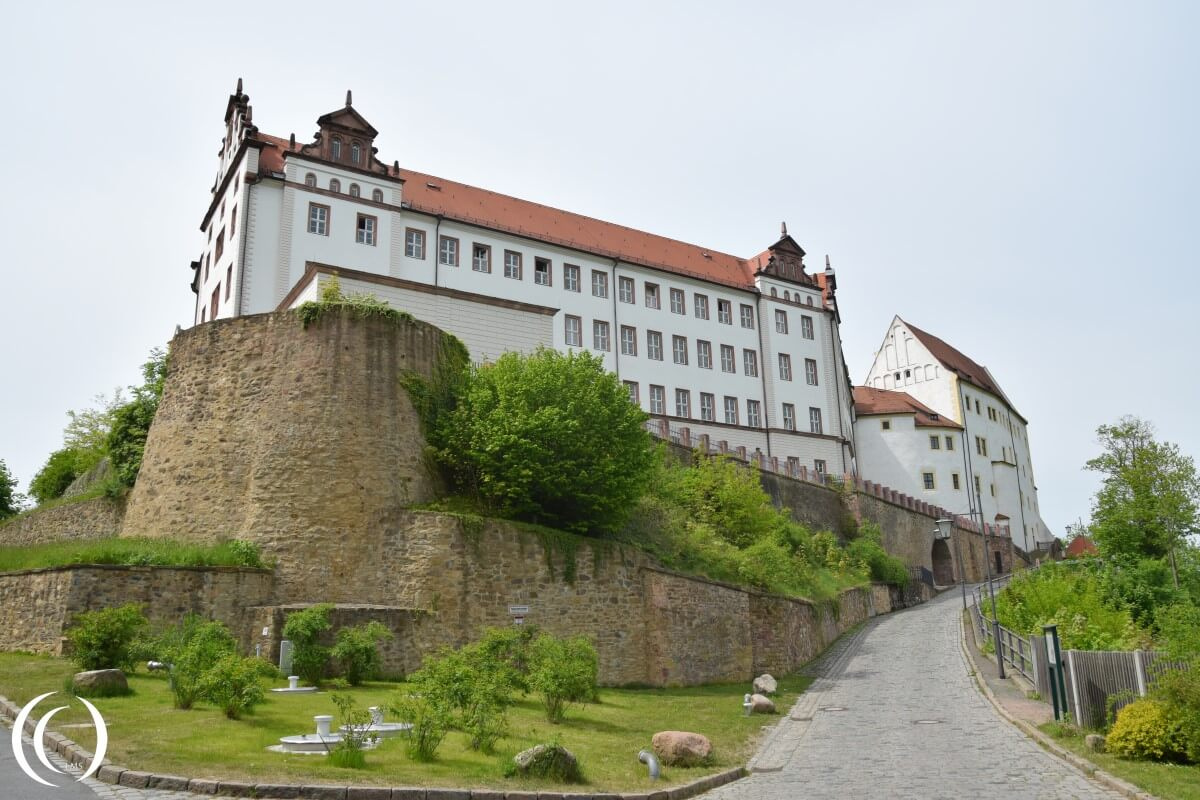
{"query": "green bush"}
{"type": "Point", "coordinates": [58, 473]}
{"type": "Point", "coordinates": [104, 639]}
{"type": "Point", "coordinates": [551, 438]}
{"type": "Point", "coordinates": [191, 649]}
{"type": "Point", "coordinates": [126, 441]}
{"type": "Point", "coordinates": [303, 629]}
{"type": "Point", "coordinates": [469, 691]}
{"type": "Point", "coordinates": [430, 723]}
{"type": "Point", "coordinates": [1146, 729]}
{"type": "Point", "coordinates": [232, 684]}
{"type": "Point", "coordinates": [562, 671]}
{"type": "Point", "coordinates": [1074, 599]}
{"type": "Point", "coordinates": [868, 549]}
{"type": "Point", "coordinates": [355, 727]}
{"type": "Point", "coordinates": [357, 650]}
{"type": "Point", "coordinates": [505, 651]}
{"type": "Point", "coordinates": [1179, 691]}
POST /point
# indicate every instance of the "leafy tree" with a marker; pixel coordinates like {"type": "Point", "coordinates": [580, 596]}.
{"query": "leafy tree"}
{"type": "Point", "coordinates": [1147, 501]}
{"type": "Point", "coordinates": [304, 629]}
{"type": "Point", "coordinates": [59, 471]}
{"type": "Point", "coordinates": [10, 499]}
{"type": "Point", "coordinates": [232, 684]}
{"type": "Point", "coordinates": [104, 639]}
{"type": "Point", "coordinates": [131, 422]}
{"type": "Point", "coordinates": [357, 650]}
{"type": "Point", "coordinates": [191, 649]}
{"type": "Point", "coordinates": [87, 432]}
{"type": "Point", "coordinates": [551, 438]}
{"type": "Point", "coordinates": [562, 671]}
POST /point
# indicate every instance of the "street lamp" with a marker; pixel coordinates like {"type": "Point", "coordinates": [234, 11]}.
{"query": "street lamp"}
{"type": "Point", "coordinates": [945, 532]}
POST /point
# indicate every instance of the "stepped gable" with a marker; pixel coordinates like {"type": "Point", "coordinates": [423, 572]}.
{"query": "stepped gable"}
{"type": "Point", "coordinates": [869, 401]}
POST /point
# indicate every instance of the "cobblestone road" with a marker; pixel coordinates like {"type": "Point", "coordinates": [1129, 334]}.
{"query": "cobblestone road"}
{"type": "Point", "coordinates": [895, 713]}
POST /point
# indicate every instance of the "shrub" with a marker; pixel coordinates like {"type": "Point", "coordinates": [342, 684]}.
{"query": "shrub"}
{"type": "Point", "coordinates": [1146, 730]}
{"type": "Point", "coordinates": [430, 724]}
{"type": "Point", "coordinates": [104, 639]}
{"type": "Point", "coordinates": [357, 650]}
{"type": "Point", "coordinates": [563, 671]}
{"type": "Point", "coordinates": [1179, 690]}
{"type": "Point", "coordinates": [191, 649]}
{"type": "Point", "coordinates": [505, 651]}
{"type": "Point", "coordinates": [232, 684]}
{"type": "Point", "coordinates": [1074, 599]}
{"type": "Point", "coordinates": [303, 629]}
{"type": "Point", "coordinates": [58, 473]}
{"type": "Point", "coordinates": [355, 725]}
{"type": "Point", "coordinates": [470, 692]}
{"type": "Point", "coordinates": [882, 566]}
{"type": "Point", "coordinates": [551, 438]}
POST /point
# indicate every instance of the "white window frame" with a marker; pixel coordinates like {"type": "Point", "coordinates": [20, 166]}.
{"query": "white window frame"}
{"type": "Point", "coordinates": [365, 233]}
{"type": "Point", "coordinates": [703, 354]}
{"type": "Point", "coordinates": [815, 423]}
{"type": "Point", "coordinates": [448, 251]}
{"type": "Point", "coordinates": [728, 359]}
{"type": "Point", "coordinates": [781, 321]}
{"type": "Point", "coordinates": [750, 362]}
{"type": "Point", "coordinates": [725, 312]}
{"type": "Point", "coordinates": [708, 407]}
{"type": "Point", "coordinates": [806, 327]}
{"type": "Point", "coordinates": [571, 277]}
{"type": "Point", "coordinates": [318, 219]}
{"type": "Point", "coordinates": [658, 399]}
{"type": "Point", "coordinates": [653, 298]}
{"type": "Point", "coordinates": [789, 416]}
{"type": "Point", "coordinates": [747, 316]}
{"type": "Point", "coordinates": [572, 330]}
{"type": "Point", "coordinates": [810, 371]}
{"type": "Point", "coordinates": [543, 271]}
{"type": "Point", "coordinates": [481, 257]}
{"type": "Point", "coordinates": [753, 413]}
{"type": "Point", "coordinates": [599, 283]}
{"type": "Point", "coordinates": [628, 340]}
{"type": "Point", "coordinates": [678, 302]}
{"type": "Point", "coordinates": [626, 289]}
{"type": "Point", "coordinates": [785, 367]}
{"type": "Point", "coordinates": [679, 350]}
{"type": "Point", "coordinates": [683, 403]}
{"type": "Point", "coordinates": [512, 264]}
{"type": "Point", "coordinates": [730, 405]}
{"type": "Point", "coordinates": [600, 335]}
{"type": "Point", "coordinates": [654, 350]}
{"type": "Point", "coordinates": [700, 301]}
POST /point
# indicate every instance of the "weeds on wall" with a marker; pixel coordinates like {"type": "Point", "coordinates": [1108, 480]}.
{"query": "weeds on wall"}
{"type": "Point", "coordinates": [357, 305]}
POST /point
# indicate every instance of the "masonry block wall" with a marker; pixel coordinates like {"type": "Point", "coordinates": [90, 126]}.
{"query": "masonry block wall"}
{"type": "Point", "coordinates": [96, 518]}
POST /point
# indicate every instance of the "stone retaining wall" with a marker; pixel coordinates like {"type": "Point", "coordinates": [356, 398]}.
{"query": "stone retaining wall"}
{"type": "Point", "coordinates": [97, 518]}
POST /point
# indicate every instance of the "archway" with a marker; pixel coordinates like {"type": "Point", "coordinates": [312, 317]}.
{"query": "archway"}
{"type": "Point", "coordinates": [943, 564]}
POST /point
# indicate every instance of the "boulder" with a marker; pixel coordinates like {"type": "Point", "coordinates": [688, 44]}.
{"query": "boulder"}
{"type": "Point", "coordinates": [1094, 742]}
{"type": "Point", "coordinates": [680, 748]}
{"type": "Point", "coordinates": [103, 682]}
{"type": "Point", "coordinates": [765, 684]}
{"type": "Point", "coordinates": [761, 704]}
{"type": "Point", "coordinates": [551, 761]}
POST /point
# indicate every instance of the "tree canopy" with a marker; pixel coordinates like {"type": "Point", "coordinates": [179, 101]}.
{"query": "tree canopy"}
{"type": "Point", "coordinates": [10, 501]}
{"type": "Point", "coordinates": [1147, 501]}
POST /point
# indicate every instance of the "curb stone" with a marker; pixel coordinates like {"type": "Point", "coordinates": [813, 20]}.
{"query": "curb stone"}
{"type": "Point", "coordinates": [117, 775]}
{"type": "Point", "coordinates": [1082, 764]}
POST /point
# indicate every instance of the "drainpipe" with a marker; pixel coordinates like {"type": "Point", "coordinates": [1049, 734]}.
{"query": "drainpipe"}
{"type": "Point", "coordinates": [246, 216]}
{"type": "Point", "coordinates": [616, 331]}
{"type": "Point", "coordinates": [836, 385]}
{"type": "Point", "coordinates": [762, 350]}
{"type": "Point", "coordinates": [437, 244]}
{"type": "Point", "coordinates": [1020, 492]}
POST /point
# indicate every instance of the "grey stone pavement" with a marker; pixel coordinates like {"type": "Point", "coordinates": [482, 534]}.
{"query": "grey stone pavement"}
{"type": "Point", "coordinates": [895, 712]}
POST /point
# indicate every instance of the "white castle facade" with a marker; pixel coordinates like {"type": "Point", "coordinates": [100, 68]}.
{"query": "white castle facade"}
{"type": "Point", "coordinates": [745, 350]}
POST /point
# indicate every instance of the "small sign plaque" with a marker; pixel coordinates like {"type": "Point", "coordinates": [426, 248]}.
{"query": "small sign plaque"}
{"type": "Point", "coordinates": [518, 611]}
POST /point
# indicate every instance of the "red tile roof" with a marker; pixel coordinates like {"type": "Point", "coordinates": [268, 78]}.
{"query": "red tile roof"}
{"type": "Point", "coordinates": [873, 402]}
{"type": "Point", "coordinates": [958, 363]}
{"type": "Point", "coordinates": [453, 200]}
{"type": "Point", "coordinates": [1080, 546]}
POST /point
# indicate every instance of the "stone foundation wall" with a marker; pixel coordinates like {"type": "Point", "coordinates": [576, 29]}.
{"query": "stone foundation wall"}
{"type": "Point", "coordinates": [97, 518]}
{"type": "Point", "coordinates": [36, 606]}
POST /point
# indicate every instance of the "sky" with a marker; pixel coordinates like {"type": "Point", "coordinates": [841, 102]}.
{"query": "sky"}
{"type": "Point", "coordinates": [1021, 179]}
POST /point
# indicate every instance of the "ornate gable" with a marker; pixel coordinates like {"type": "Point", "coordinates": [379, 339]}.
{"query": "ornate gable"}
{"type": "Point", "coordinates": [344, 137]}
{"type": "Point", "coordinates": [785, 260]}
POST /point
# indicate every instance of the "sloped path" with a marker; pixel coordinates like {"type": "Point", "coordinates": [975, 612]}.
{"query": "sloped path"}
{"type": "Point", "coordinates": [895, 713]}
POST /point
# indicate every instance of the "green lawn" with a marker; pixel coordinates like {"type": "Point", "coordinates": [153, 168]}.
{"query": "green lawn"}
{"type": "Point", "coordinates": [1167, 781]}
{"type": "Point", "coordinates": [146, 733]}
{"type": "Point", "coordinates": [128, 552]}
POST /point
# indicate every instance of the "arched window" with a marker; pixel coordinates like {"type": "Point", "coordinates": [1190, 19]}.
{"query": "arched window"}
{"type": "Point", "coordinates": [310, 180]}
{"type": "Point", "coordinates": [808, 300]}
{"type": "Point", "coordinates": [335, 148]}
{"type": "Point", "coordinates": [335, 185]}
{"type": "Point", "coordinates": [354, 190]}
{"type": "Point", "coordinates": [355, 152]}
{"type": "Point", "coordinates": [787, 296]}
{"type": "Point", "coordinates": [377, 195]}
{"type": "Point", "coordinates": [774, 292]}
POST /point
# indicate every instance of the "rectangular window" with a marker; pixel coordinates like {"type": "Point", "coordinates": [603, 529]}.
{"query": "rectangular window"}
{"type": "Point", "coordinates": [318, 219]}
{"type": "Point", "coordinates": [806, 326]}
{"type": "Point", "coordinates": [599, 283]}
{"type": "Point", "coordinates": [654, 346]}
{"type": "Point", "coordinates": [725, 312]}
{"type": "Point", "coordinates": [633, 392]}
{"type": "Point", "coordinates": [701, 303]}
{"type": "Point", "coordinates": [814, 420]}
{"type": "Point", "coordinates": [703, 354]}
{"type": "Point", "coordinates": [708, 407]}
{"type": "Point", "coordinates": [628, 340]}
{"type": "Point", "coordinates": [993, 486]}
{"type": "Point", "coordinates": [727, 364]}
{"type": "Point", "coordinates": [481, 258]}
{"type": "Point", "coordinates": [512, 265]}
{"type": "Point", "coordinates": [414, 242]}
{"type": "Point", "coordinates": [935, 443]}
{"type": "Point", "coordinates": [954, 481]}
{"type": "Point", "coordinates": [949, 442]}
{"type": "Point", "coordinates": [625, 289]}
{"type": "Point", "coordinates": [683, 403]}
{"type": "Point", "coordinates": [750, 363]}
{"type": "Point", "coordinates": [541, 271]}
{"type": "Point", "coordinates": [573, 331]}
{"type": "Point", "coordinates": [228, 280]}
{"type": "Point", "coordinates": [651, 291]}
{"type": "Point", "coordinates": [819, 466]}
{"type": "Point", "coordinates": [364, 232]}
{"type": "Point", "coordinates": [679, 349]}
{"type": "Point", "coordinates": [731, 411]}
{"type": "Point", "coordinates": [677, 302]}
{"type": "Point", "coordinates": [780, 321]}
{"type": "Point", "coordinates": [810, 371]}
{"type": "Point", "coordinates": [927, 480]}
{"type": "Point", "coordinates": [785, 367]}
{"type": "Point", "coordinates": [978, 490]}
{"type": "Point", "coordinates": [448, 251]}
{"type": "Point", "coordinates": [747, 316]}
{"type": "Point", "coordinates": [599, 335]}
{"type": "Point", "coordinates": [220, 245]}
{"type": "Point", "coordinates": [216, 301]}
{"type": "Point", "coordinates": [981, 446]}
{"type": "Point", "coordinates": [789, 416]}
{"type": "Point", "coordinates": [885, 424]}
{"type": "Point", "coordinates": [657, 400]}
{"type": "Point", "coordinates": [793, 465]}
{"type": "Point", "coordinates": [571, 277]}
{"type": "Point", "coordinates": [232, 221]}
{"type": "Point", "coordinates": [753, 414]}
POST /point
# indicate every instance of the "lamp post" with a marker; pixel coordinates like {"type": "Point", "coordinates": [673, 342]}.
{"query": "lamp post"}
{"type": "Point", "coordinates": [945, 532]}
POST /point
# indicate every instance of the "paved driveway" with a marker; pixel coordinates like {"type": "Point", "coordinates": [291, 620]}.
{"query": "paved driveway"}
{"type": "Point", "coordinates": [896, 714]}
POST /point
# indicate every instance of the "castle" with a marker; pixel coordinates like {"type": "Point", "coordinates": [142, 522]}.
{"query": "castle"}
{"type": "Point", "coordinates": [745, 351]}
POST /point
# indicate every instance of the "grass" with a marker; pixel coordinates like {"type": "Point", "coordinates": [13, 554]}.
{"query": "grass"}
{"type": "Point", "coordinates": [128, 552]}
{"type": "Point", "coordinates": [1167, 781]}
{"type": "Point", "coordinates": [99, 490]}
{"type": "Point", "coordinates": [146, 733]}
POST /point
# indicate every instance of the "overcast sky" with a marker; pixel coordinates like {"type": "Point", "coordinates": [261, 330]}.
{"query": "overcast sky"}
{"type": "Point", "coordinates": [1018, 178]}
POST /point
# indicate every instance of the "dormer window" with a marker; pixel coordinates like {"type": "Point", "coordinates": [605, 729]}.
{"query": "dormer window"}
{"type": "Point", "coordinates": [354, 190]}
{"type": "Point", "coordinates": [310, 180]}
{"type": "Point", "coordinates": [377, 195]}
{"type": "Point", "coordinates": [335, 148]}
{"type": "Point", "coordinates": [355, 152]}
{"type": "Point", "coordinates": [335, 185]}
